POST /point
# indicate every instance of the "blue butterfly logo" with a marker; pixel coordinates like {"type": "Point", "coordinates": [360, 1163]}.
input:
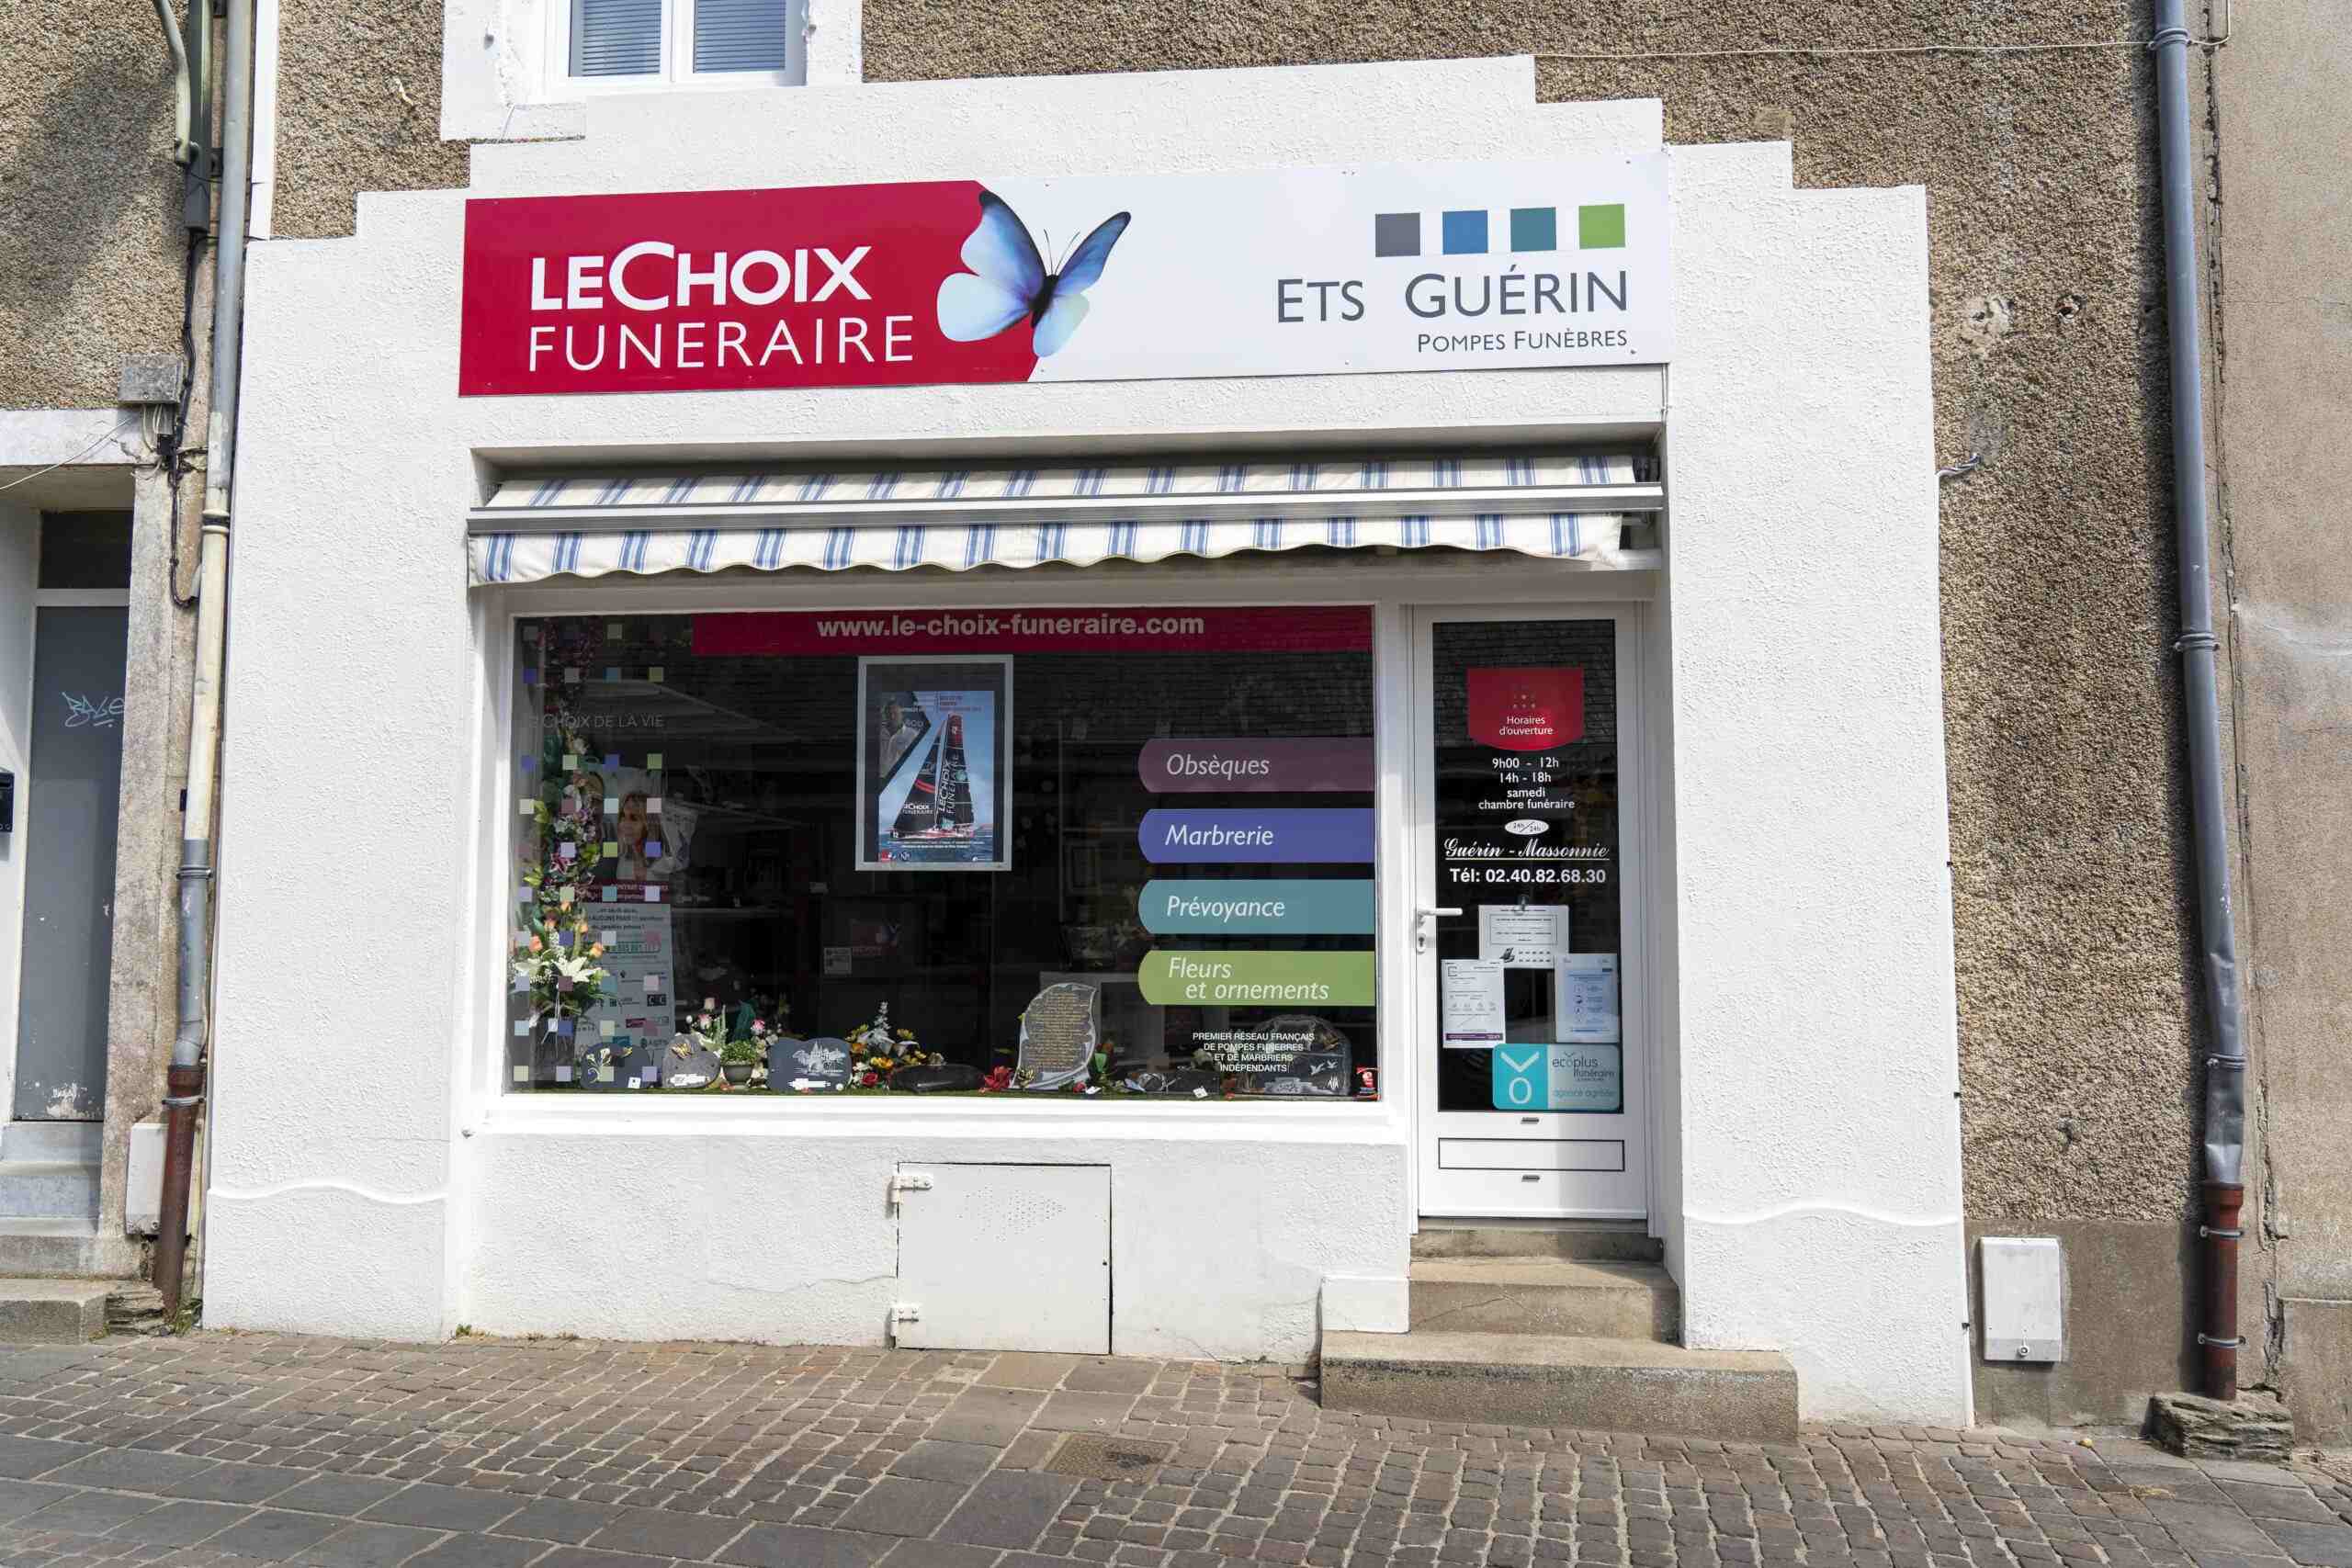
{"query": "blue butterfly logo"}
{"type": "Point", "coordinates": [1009, 280]}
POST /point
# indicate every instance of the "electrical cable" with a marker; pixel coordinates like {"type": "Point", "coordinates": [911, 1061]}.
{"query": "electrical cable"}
{"type": "Point", "coordinates": [109, 435]}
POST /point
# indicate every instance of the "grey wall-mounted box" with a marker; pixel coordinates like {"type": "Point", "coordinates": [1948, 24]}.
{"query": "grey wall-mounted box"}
{"type": "Point", "coordinates": [2024, 1279]}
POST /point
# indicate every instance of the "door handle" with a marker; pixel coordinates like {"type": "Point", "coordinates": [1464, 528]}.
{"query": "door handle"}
{"type": "Point", "coordinates": [1421, 918]}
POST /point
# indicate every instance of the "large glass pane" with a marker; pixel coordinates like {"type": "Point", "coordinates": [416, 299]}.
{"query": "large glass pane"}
{"type": "Point", "coordinates": [1123, 853]}
{"type": "Point", "coordinates": [1527, 846]}
{"type": "Point", "coordinates": [740, 35]}
{"type": "Point", "coordinates": [616, 38]}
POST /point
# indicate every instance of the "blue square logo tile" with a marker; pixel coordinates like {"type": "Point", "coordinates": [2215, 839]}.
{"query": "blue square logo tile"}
{"type": "Point", "coordinates": [1464, 233]}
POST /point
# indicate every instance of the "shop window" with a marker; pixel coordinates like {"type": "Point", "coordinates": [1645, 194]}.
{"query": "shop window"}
{"type": "Point", "coordinates": [673, 42]}
{"type": "Point", "coordinates": [1118, 855]}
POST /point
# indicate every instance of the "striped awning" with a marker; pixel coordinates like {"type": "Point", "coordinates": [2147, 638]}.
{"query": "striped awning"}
{"type": "Point", "coordinates": [1583, 508]}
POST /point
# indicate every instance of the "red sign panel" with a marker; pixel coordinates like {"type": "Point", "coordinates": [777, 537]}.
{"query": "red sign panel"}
{"type": "Point", "coordinates": [1526, 710]}
{"type": "Point", "coordinates": [829, 286]}
{"type": "Point", "coordinates": [1307, 628]}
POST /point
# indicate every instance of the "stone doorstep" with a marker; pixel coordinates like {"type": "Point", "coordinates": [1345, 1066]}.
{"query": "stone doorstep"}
{"type": "Point", "coordinates": [1592, 1241]}
{"type": "Point", "coordinates": [1625, 1385]}
{"type": "Point", "coordinates": [1545, 1295]}
{"type": "Point", "coordinates": [54, 1312]}
{"type": "Point", "coordinates": [66, 1249]}
{"type": "Point", "coordinates": [49, 1189]}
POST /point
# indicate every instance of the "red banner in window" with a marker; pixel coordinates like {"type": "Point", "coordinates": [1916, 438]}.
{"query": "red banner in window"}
{"type": "Point", "coordinates": [1526, 710]}
{"type": "Point", "coordinates": [1307, 628]}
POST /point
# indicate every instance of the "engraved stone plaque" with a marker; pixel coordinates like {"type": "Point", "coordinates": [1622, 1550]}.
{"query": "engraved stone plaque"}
{"type": "Point", "coordinates": [804, 1065]}
{"type": "Point", "coordinates": [1060, 1030]}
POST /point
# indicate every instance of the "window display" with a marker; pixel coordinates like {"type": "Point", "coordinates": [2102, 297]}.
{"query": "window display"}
{"type": "Point", "coordinates": [733, 831]}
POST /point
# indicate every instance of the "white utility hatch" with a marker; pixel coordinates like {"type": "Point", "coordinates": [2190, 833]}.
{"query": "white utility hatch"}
{"type": "Point", "coordinates": [1003, 1258]}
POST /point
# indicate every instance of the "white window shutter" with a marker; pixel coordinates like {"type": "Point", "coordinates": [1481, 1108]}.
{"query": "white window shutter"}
{"type": "Point", "coordinates": [616, 38]}
{"type": "Point", "coordinates": [740, 35]}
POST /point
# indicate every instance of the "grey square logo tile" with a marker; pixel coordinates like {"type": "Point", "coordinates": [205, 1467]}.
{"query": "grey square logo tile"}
{"type": "Point", "coordinates": [1397, 234]}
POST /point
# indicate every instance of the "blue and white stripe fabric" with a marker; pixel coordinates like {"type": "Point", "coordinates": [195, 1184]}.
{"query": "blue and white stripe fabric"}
{"type": "Point", "coordinates": [1586, 508]}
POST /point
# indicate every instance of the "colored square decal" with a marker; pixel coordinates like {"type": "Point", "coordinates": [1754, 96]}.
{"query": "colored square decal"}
{"type": "Point", "coordinates": [1534, 228]}
{"type": "Point", "coordinates": [1466, 233]}
{"type": "Point", "coordinates": [1602, 228]}
{"type": "Point", "coordinates": [1397, 234]}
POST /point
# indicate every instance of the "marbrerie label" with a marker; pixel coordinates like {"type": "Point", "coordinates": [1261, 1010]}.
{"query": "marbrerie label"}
{"type": "Point", "coordinates": [1243, 836]}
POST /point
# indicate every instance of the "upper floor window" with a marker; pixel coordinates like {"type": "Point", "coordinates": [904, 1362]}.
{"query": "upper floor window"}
{"type": "Point", "coordinates": [676, 42]}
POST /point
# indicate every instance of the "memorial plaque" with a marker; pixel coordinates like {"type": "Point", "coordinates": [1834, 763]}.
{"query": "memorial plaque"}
{"type": "Point", "coordinates": [598, 1067]}
{"type": "Point", "coordinates": [1311, 1073]}
{"type": "Point", "coordinates": [686, 1064]}
{"type": "Point", "coordinates": [642, 1061]}
{"type": "Point", "coordinates": [807, 1066]}
{"type": "Point", "coordinates": [1060, 1032]}
{"type": "Point", "coordinates": [1181, 1083]}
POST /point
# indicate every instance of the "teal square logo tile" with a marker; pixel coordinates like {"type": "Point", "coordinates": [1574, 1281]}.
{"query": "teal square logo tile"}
{"type": "Point", "coordinates": [1534, 228]}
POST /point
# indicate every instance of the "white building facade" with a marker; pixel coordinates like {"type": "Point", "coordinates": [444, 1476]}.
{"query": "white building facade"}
{"type": "Point", "coordinates": [1178, 734]}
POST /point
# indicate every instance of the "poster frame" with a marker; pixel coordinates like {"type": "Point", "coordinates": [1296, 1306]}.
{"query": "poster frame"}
{"type": "Point", "coordinates": [1000, 759]}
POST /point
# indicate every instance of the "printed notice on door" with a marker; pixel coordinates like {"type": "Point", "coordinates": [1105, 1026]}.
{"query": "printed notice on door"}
{"type": "Point", "coordinates": [1587, 984]}
{"type": "Point", "coordinates": [1523, 936]}
{"type": "Point", "coordinates": [1470, 995]}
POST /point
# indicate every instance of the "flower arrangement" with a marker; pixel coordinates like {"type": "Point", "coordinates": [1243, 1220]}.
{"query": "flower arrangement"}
{"type": "Point", "coordinates": [877, 1050]}
{"type": "Point", "coordinates": [557, 964]}
{"type": "Point", "coordinates": [555, 961]}
{"type": "Point", "coordinates": [709, 1028]}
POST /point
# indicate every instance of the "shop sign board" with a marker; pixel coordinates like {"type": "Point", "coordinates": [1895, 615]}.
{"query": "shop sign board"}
{"type": "Point", "coordinates": [1272, 272]}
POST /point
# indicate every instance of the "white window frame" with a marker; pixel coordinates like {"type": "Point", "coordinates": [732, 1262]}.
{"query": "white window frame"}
{"type": "Point", "coordinates": [677, 73]}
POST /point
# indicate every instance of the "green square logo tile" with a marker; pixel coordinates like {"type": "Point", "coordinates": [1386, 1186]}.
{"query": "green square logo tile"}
{"type": "Point", "coordinates": [1602, 228]}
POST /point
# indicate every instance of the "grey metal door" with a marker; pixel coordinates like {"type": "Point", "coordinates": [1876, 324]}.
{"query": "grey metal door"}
{"type": "Point", "coordinates": [66, 833]}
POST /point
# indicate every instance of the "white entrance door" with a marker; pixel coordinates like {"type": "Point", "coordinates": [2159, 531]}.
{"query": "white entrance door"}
{"type": "Point", "coordinates": [1527, 1044]}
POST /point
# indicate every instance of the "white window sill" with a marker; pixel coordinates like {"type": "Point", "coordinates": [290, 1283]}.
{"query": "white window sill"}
{"type": "Point", "coordinates": [498, 85]}
{"type": "Point", "coordinates": [754, 1115]}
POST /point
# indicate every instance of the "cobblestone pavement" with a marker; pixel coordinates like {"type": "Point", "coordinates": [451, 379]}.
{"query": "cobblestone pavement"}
{"type": "Point", "coordinates": [226, 1450]}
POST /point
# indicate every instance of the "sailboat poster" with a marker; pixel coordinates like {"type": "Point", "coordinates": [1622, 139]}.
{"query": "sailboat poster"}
{"type": "Point", "coordinates": [932, 745]}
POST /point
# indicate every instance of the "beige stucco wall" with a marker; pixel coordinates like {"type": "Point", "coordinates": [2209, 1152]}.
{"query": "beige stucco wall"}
{"type": "Point", "coordinates": [90, 249]}
{"type": "Point", "coordinates": [2069, 880]}
{"type": "Point", "coordinates": [359, 108]}
{"type": "Point", "coordinates": [2284, 401]}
